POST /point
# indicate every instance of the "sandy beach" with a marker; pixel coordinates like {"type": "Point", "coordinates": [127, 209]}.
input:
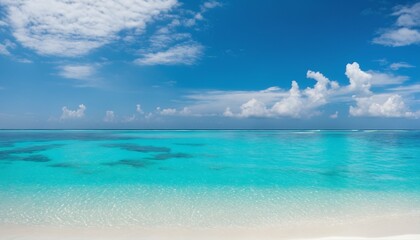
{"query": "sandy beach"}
{"type": "Point", "coordinates": [393, 228]}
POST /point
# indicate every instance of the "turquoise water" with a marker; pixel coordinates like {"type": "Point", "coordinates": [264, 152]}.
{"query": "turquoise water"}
{"type": "Point", "coordinates": [206, 178]}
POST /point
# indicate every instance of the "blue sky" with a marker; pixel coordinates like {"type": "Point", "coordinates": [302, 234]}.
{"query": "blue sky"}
{"type": "Point", "coordinates": [209, 64]}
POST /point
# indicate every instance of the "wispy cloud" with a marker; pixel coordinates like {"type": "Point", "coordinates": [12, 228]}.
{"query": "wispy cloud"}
{"type": "Point", "coordinates": [385, 78]}
{"type": "Point", "coordinates": [173, 43]}
{"type": "Point", "coordinates": [80, 72]}
{"type": "Point", "coordinates": [6, 46]}
{"type": "Point", "coordinates": [406, 29]}
{"type": "Point", "coordinates": [181, 54]}
{"type": "Point", "coordinates": [84, 74]}
{"type": "Point", "coordinates": [398, 65]}
{"type": "Point", "coordinates": [74, 28]}
{"type": "Point", "coordinates": [408, 89]}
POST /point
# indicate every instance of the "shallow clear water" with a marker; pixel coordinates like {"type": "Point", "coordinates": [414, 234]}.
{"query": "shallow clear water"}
{"type": "Point", "coordinates": [206, 178]}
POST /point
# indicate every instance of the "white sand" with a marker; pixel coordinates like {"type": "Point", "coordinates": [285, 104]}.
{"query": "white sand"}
{"type": "Point", "coordinates": [396, 228]}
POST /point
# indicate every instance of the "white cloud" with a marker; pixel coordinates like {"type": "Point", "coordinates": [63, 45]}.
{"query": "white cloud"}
{"type": "Point", "coordinates": [398, 37]}
{"type": "Point", "coordinates": [129, 118]}
{"type": "Point", "coordinates": [408, 89]}
{"type": "Point", "coordinates": [199, 16]}
{"type": "Point", "coordinates": [165, 37]}
{"type": "Point", "coordinates": [24, 60]}
{"type": "Point", "coordinates": [186, 111]}
{"type": "Point", "coordinates": [334, 115]}
{"type": "Point", "coordinates": [228, 112]}
{"type": "Point", "coordinates": [109, 116]}
{"type": "Point", "coordinates": [180, 54]}
{"type": "Point", "coordinates": [4, 50]}
{"type": "Point", "coordinates": [405, 30]}
{"type": "Point", "coordinates": [6, 46]}
{"type": "Point", "coordinates": [253, 108]}
{"type": "Point", "coordinates": [383, 79]}
{"type": "Point", "coordinates": [73, 114]}
{"type": "Point", "coordinates": [138, 109]}
{"type": "Point", "coordinates": [360, 81]}
{"type": "Point", "coordinates": [173, 112]}
{"type": "Point", "coordinates": [408, 16]}
{"type": "Point", "coordinates": [381, 105]}
{"type": "Point", "coordinates": [303, 103]}
{"type": "Point", "coordinates": [80, 72]}
{"type": "Point", "coordinates": [74, 28]}
{"type": "Point", "coordinates": [212, 102]}
{"type": "Point", "coordinates": [398, 65]}
{"type": "Point", "coordinates": [294, 103]}
{"type": "Point", "coordinates": [210, 5]}
{"type": "Point", "coordinates": [167, 111]}
{"type": "Point", "coordinates": [171, 44]}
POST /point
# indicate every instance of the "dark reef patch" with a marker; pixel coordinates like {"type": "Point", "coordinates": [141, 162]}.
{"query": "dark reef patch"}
{"type": "Point", "coordinates": [138, 148]}
{"type": "Point", "coordinates": [64, 165]}
{"type": "Point", "coordinates": [15, 154]}
{"type": "Point", "coordinates": [28, 150]}
{"type": "Point", "coordinates": [129, 162]}
{"type": "Point", "coordinates": [165, 156]}
{"type": "Point", "coordinates": [35, 158]}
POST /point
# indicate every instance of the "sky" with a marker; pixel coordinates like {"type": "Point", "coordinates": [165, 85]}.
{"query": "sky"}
{"type": "Point", "coordinates": [209, 64]}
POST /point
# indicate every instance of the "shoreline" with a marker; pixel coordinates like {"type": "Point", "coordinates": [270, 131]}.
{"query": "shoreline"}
{"type": "Point", "coordinates": [395, 228]}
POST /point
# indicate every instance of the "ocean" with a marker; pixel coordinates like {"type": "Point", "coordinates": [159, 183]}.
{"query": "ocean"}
{"type": "Point", "coordinates": [206, 179]}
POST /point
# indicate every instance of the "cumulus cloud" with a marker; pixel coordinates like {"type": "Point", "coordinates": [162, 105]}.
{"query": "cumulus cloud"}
{"type": "Point", "coordinates": [73, 114]}
{"type": "Point", "coordinates": [304, 103]}
{"type": "Point", "coordinates": [254, 108]}
{"type": "Point", "coordinates": [211, 102]}
{"type": "Point", "coordinates": [406, 29]}
{"type": "Point", "coordinates": [228, 112]}
{"type": "Point", "coordinates": [294, 103]}
{"type": "Point", "coordinates": [109, 116]}
{"type": "Point", "coordinates": [381, 105]}
{"type": "Point", "coordinates": [360, 81]}
{"type": "Point", "coordinates": [181, 54]}
{"type": "Point", "coordinates": [74, 28]}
